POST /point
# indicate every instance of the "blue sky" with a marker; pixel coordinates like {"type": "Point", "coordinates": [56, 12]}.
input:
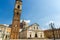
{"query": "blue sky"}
{"type": "Point", "coordinates": [37, 11]}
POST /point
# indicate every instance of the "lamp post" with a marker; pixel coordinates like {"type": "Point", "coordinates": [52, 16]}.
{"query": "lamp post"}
{"type": "Point", "coordinates": [52, 26]}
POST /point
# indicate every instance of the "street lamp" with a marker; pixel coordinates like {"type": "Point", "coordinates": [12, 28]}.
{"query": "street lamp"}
{"type": "Point", "coordinates": [52, 26]}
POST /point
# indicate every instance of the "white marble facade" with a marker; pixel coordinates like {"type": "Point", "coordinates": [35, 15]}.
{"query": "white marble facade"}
{"type": "Point", "coordinates": [32, 34]}
{"type": "Point", "coordinates": [33, 31]}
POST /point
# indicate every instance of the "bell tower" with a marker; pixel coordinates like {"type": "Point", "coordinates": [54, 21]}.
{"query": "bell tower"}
{"type": "Point", "coordinates": [16, 20]}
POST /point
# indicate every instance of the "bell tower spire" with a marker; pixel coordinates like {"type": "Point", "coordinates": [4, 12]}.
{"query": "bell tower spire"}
{"type": "Point", "coordinates": [16, 20]}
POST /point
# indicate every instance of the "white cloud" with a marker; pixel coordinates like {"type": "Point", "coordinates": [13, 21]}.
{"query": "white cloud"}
{"type": "Point", "coordinates": [5, 25]}
{"type": "Point", "coordinates": [21, 20]}
{"type": "Point", "coordinates": [27, 21]}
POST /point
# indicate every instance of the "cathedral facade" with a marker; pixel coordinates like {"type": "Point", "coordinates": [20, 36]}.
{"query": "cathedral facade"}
{"type": "Point", "coordinates": [32, 31]}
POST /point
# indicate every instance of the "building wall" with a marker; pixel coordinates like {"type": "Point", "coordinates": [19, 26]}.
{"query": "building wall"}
{"type": "Point", "coordinates": [1, 35]}
{"type": "Point", "coordinates": [23, 34]}
{"type": "Point", "coordinates": [34, 27]}
{"type": "Point", "coordinates": [40, 34]}
{"type": "Point", "coordinates": [30, 34]}
{"type": "Point", "coordinates": [49, 33]}
{"type": "Point", "coordinates": [4, 32]}
{"type": "Point", "coordinates": [34, 34]}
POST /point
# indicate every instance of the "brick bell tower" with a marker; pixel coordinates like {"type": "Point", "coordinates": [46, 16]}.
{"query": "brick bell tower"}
{"type": "Point", "coordinates": [16, 20]}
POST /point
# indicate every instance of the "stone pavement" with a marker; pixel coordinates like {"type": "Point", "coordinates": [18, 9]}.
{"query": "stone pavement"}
{"type": "Point", "coordinates": [34, 39]}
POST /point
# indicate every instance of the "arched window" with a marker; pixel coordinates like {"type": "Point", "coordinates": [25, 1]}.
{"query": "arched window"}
{"type": "Point", "coordinates": [17, 13]}
{"type": "Point", "coordinates": [18, 6]}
